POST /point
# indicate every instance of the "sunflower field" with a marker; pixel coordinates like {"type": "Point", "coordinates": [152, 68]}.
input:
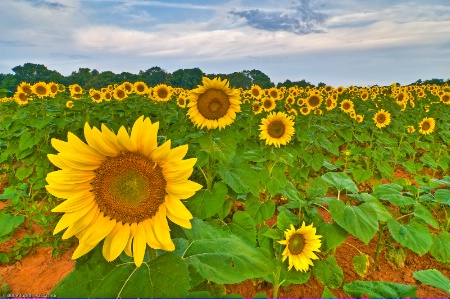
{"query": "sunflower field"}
{"type": "Point", "coordinates": [168, 192]}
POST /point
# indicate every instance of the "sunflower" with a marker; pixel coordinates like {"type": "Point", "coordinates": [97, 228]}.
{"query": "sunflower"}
{"type": "Point", "coordinates": [181, 101]}
{"type": "Point", "coordinates": [364, 96]}
{"type": "Point", "coordinates": [69, 104]}
{"type": "Point", "coordinates": [314, 101]}
{"type": "Point", "coordinates": [256, 107]}
{"type": "Point", "coordinates": [301, 102]}
{"type": "Point", "coordinates": [290, 100]}
{"type": "Point", "coordinates": [140, 88]}
{"type": "Point", "coordinates": [382, 118]}
{"type": "Point", "coordinates": [40, 89]}
{"type": "Point", "coordinates": [21, 98]}
{"type": "Point", "coordinates": [277, 129]}
{"type": "Point", "coordinates": [162, 93]}
{"type": "Point", "coordinates": [427, 125]}
{"type": "Point", "coordinates": [445, 98]}
{"type": "Point", "coordinates": [305, 110]}
{"type": "Point", "coordinates": [256, 92]}
{"type": "Point", "coordinates": [300, 247]}
{"type": "Point", "coordinates": [119, 93]}
{"type": "Point", "coordinates": [410, 129]}
{"type": "Point", "coordinates": [75, 89]}
{"type": "Point", "coordinates": [121, 188]}
{"type": "Point", "coordinates": [274, 93]}
{"type": "Point", "coordinates": [340, 89]}
{"type": "Point", "coordinates": [25, 87]}
{"type": "Point", "coordinates": [347, 106]}
{"type": "Point", "coordinates": [359, 118]}
{"type": "Point", "coordinates": [53, 89]}
{"type": "Point", "coordinates": [268, 104]}
{"type": "Point", "coordinates": [127, 86]}
{"type": "Point", "coordinates": [213, 104]}
{"type": "Point", "coordinates": [330, 103]}
{"type": "Point", "coordinates": [96, 96]}
{"type": "Point", "coordinates": [107, 95]}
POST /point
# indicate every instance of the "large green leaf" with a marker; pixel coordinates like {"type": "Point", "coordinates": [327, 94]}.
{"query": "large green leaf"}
{"type": "Point", "coordinates": [422, 212]}
{"type": "Point", "coordinates": [442, 196]}
{"type": "Point", "coordinates": [244, 225]}
{"type": "Point", "coordinates": [27, 140]}
{"type": "Point", "coordinates": [165, 276]}
{"type": "Point", "coordinates": [328, 272]}
{"type": "Point", "coordinates": [332, 235]}
{"type": "Point", "coordinates": [379, 289]}
{"type": "Point", "coordinates": [341, 181]}
{"type": "Point", "coordinates": [260, 211]}
{"type": "Point", "coordinates": [414, 235]}
{"type": "Point", "coordinates": [233, 180]}
{"type": "Point", "coordinates": [393, 194]}
{"type": "Point", "coordinates": [8, 223]}
{"type": "Point", "coordinates": [382, 213]}
{"type": "Point", "coordinates": [205, 203]}
{"type": "Point", "coordinates": [433, 278]}
{"type": "Point", "coordinates": [223, 257]}
{"type": "Point", "coordinates": [361, 175]}
{"type": "Point", "coordinates": [24, 172]}
{"type": "Point", "coordinates": [361, 221]}
{"type": "Point", "coordinates": [222, 149]}
{"type": "Point", "coordinates": [440, 248]}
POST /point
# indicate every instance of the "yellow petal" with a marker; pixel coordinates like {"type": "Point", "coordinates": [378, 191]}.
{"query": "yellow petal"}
{"type": "Point", "coordinates": [82, 223]}
{"type": "Point", "coordinates": [99, 229]}
{"type": "Point", "coordinates": [136, 132]}
{"type": "Point", "coordinates": [82, 249]}
{"type": "Point", "coordinates": [151, 239]}
{"type": "Point", "coordinates": [70, 190]}
{"type": "Point", "coordinates": [178, 153]}
{"type": "Point", "coordinates": [139, 245]}
{"type": "Point", "coordinates": [149, 137]}
{"type": "Point", "coordinates": [161, 229]}
{"type": "Point", "coordinates": [124, 140]}
{"type": "Point", "coordinates": [180, 221]}
{"type": "Point", "coordinates": [95, 139]}
{"type": "Point", "coordinates": [120, 240]}
{"type": "Point", "coordinates": [70, 218]}
{"type": "Point", "coordinates": [81, 147]}
{"type": "Point", "coordinates": [161, 153]}
{"type": "Point", "coordinates": [58, 162]}
{"type": "Point", "coordinates": [177, 208]}
{"type": "Point", "coordinates": [69, 176]}
{"type": "Point", "coordinates": [183, 190]}
{"type": "Point", "coordinates": [75, 203]}
{"type": "Point", "coordinates": [127, 250]}
{"type": "Point", "coordinates": [106, 249]}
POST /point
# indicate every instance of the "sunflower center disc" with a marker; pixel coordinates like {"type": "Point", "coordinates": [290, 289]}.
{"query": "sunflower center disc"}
{"type": "Point", "coordinates": [276, 129]}
{"type": "Point", "coordinates": [129, 188]}
{"type": "Point", "coordinates": [296, 244]}
{"type": "Point", "coordinates": [41, 90]}
{"type": "Point", "coordinates": [162, 93]}
{"type": "Point", "coordinates": [314, 101]}
{"type": "Point", "coordinates": [381, 118]}
{"type": "Point", "coordinates": [425, 126]}
{"type": "Point", "coordinates": [213, 104]}
{"type": "Point", "coordinates": [346, 106]}
{"type": "Point", "coordinates": [267, 104]}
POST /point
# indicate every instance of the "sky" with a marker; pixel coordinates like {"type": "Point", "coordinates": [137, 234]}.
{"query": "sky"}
{"type": "Point", "coordinates": [344, 42]}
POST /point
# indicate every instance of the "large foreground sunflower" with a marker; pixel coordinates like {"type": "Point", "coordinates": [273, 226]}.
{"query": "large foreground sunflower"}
{"type": "Point", "coordinates": [121, 188]}
{"type": "Point", "coordinates": [382, 118]}
{"type": "Point", "coordinates": [213, 104]}
{"type": "Point", "coordinates": [277, 129]}
{"type": "Point", "coordinates": [427, 125]}
{"type": "Point", "coordinates": [300, 245]}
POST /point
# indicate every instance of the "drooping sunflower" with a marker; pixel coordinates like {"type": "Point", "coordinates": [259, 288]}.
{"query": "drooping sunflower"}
{"type": "Point", "coordinates": [427, 125]}
{"type": "Point", "coordinates": [347, 106]}
{"type": "Point", "coordinates": [314, 101]}
{"type": "Point", "coordinates": [121, 188]}
{"type": "Point", "coordinates": [382, 118]}
{"type": "Point", "coordinates": [162, 93]}
{"type": "Point", "coordinates": [300, 247]}
{"type": "Point", "coordinates": [277, 129]}
{"type": "Point", "coordinates": [213, 104]}
{"type": "Point", "coordinates": [40, 89]}
{"type": "Point", "coordinates": [256, 92]}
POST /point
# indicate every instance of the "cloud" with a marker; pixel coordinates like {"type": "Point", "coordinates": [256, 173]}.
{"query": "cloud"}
{"type": "Point", "coordinates": [46, 4]}
{"type": "Point", "coordinates": [299, 19]}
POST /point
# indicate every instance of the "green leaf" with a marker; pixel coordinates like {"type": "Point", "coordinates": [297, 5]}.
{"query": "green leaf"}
{"type": "Point", "coordinates": [440, 248]}
{"type": "Point", "coordinates": [244, 225]}
{"type": "Point", "coordinates": [412, 167]}
{"type": "Point", "coordinates": [27, 140]}
{"type": "Point", "coordinates": [341, 181]}
{"type": "Point", "coordinates": [294, 277]}
{"type": "Point", "coordinates": [273, 233]}
{"type": "Point", "coordinates": [317, 187]}
{"type": "Point", "coordinates": [442, 196]}
{"type": "Point", "coordinates": [233, 180]}
{"type": "Point", "coordinates": [256, 155]}
{"type": "Point", "coordinates": [414, 235]}
{"type": "Point", "coordinates": [205, 203]}
{"type": "Point", "coordinates": [392, 193]}
{"type": "Point", "coordinates": [326, 144]}
{"type": "Point", "coordinates": [222, 149]}
{"type": "Point", "coordinates": [386, 169]}
{"type": "Point", "coordinates": [361, 264]}
{"type": "Point", "coordinates": [317, 160]}
{"type": "Point", "coordinates": [434, 278]}
{"type": "Point", "coordinates": [277, 180]}
{"type": "Point", "coordinates": [328, 272]}
{"type": "Point", "coordinates": [24, 172]}
{"type": "Point", "coordinates": [361, 221]}
{"type": "Point", "coordinates": [332, 235]}
{"type": "Point", "coordinates": [226, 208]}
{"type": "Point", "coordinates": [422, 212]}
{"type": "Point", "coordinates": [8, 223]}
{"type": "Point", "coordinates": [379, 289]}
{"type": "Point", "coordinates": [283, 222]}
{"type": "Point", "coordinates": [289, 191]}
{"type": "Point", "coordinates": [260, 211]}
{"type": "Point", "coordinates": [165, 276]}
{"type": "Point", "coordinates": [327, 293]}
{"type": "Point", "coordinates": [382, 213]}
{"type": "Point", "coordinates": [222, 257]}
{"type": "Point", "coordinates": [361, 175]}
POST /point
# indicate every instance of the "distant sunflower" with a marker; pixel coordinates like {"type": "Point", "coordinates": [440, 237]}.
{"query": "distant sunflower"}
{"type": "Point", "coordinates": [305, 110]}
{"type": "Point", "coordinates": [75, 89]}
{"type": "Point", "coordinates": [107, 95]}
{"type": "Point", "coordinates": [97, 96]}
{"type": "Point", "coordinates": [347, 106]}
{"type": "Point", "coordinates": [300, 247]}
{"type": "Point", "coordinates": [301, 102]}
{"type": "Point", "coordinates": [445, 98]}
{"type": "Point", "coordinates": [410, 129]}
{"type": "Point", "coordinates": [25, 87]}
{"type": "Point", "coordinates": [276, 129]}
{"type": "Point", "coordinates": [274, 93]}
{"type": "Point", "coordinates": [364, 96]}
{"type": "Point", "coordinates": [69, 104]}
{"type": "Point", "coordinates": [21, 98]}
{"type": "Point", "coordinates": [268, 104]}
{"type": "Point", "coordinates": [127, 86]}
{"type": "Point", "coordinates": [314, 101]}
{"type": "Point", "coordinates": [359, 118]}
{"type": "Point", "coordinates": [53, 89]}
{"type": "Point", "coordinates": [330, 103]}
{"type": "Point", "coordinates": [290, 100]}
{"type": "Point", "coordinates": [140, 88]}
{"type": "Point", "coordinates": [340, 89]}
{"type": "Point", "coordinates": [213, 104]}
{"type": "Point", "coordinates": [121, 188]}
{"type": "Point", "coordinates": [162, 93]}
{"type": "Point", "coordinates": [256, 92]}
{"type": "Point", "coordinates": [382, 118]}
{"type": "Point", "coordinates": [181, 101]}
{"type": "Point", "coordinates": [119, 93]}
{"type": "Point", "coordinates": [40, 89]}
{"type": "Point", "coordinates": [427, 125]}
{"type": "Point", "coordinates": [318, 112]}
{"type": "Point", "coordinates": [256, 107]}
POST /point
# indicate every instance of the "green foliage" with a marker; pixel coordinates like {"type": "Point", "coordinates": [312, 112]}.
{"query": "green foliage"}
{"type": "Point", "coordinates": [328, 272]}
{"type": "Point", "coordinates": [433, 278]}
{"type": "Point", "coordinates": [379, 289]}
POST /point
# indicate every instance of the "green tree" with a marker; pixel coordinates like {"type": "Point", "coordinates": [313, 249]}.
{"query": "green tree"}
{"type": "Point", "coordinates": [33, 73]}
{"type": "Point", "coordinates": [187, 78]}
{"type": "Point", "coordinates": [154, 76]}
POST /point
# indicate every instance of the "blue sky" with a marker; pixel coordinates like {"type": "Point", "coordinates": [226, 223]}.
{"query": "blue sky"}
{"type": "Point", "coordinates": [341, 42]}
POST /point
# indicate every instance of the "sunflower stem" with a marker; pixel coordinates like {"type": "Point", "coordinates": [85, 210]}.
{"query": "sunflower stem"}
{"type": "Point", "coordinates": [276, 282]}
{"type": "Point", "coordinates": [209, 177]}
{"type": "Point", "coordinates": [379, 245]}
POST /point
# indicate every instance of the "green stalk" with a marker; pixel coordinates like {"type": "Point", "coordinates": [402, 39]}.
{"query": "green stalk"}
{"type": "Point", "coordinates": [276, 283]}
{"type": "Point", "coordinates": [379, 245]}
